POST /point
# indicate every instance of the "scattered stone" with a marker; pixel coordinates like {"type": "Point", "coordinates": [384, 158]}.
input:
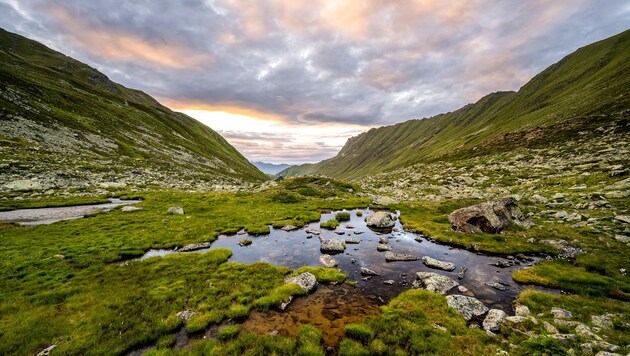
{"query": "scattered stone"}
{"type": "Point", "coordinates": [129, 209]}
{"type": "Point", "coordinates": [497, 286]}
{"type": "Point", "coordinates": [195, 247]}
{"type": "Point", "coordinates": [392, 257]}
{"type": "Point", "coordinates": [285, 304]}
{"type": "Point", "coordinates": [565, 339]}
{"type": "Point", "coordinates": [23, 185]}
{"type": "Point", "coordinates": [588, 347]}
{"type": "Point", "coordinates": [623, 218]}
{"type": "Point", "coordinates": [493, 320]}
{"type": "Point", "coordinates": [328, 261]}
{"type": "Point", "coordinates": [358, 232]}
{"type": "Point", "coordinates": [383, 247]}
{"type": "Point", "coordinates": [522, 310]}
{"type": "Point", "coordinates": [338, 232]}
{"type": "Point", "coordinates": [331, 245]}
{"type": "Point", "coordinates": [516, 319]}
{"type": "Point", "coordinates": [389, 282]}
{"type": "Point", "coordinates": [462, 289]}
{"type": "Point", "coordinates": [352, 260]}
{"type": "Point", "coordinates": [537, 198]}
{"type": "Point", "coordinates": [587, 333]}
{"type": "Point", "coordinates": [622, 238]}
{"type": "Point", "coordinates": [561, 313]}
{"type": "Point", "coordinates": [383, 201]}
{"type": "Point", "coordinates": [504, 263]}
{"type": "Point", "coordinates": [242, 232]}
{"type": "Point", "coordinates": [245, 242]}
{"type": "Point", "coordinates": [60, 257]}
{"type": "Point", "coordinates": [313, 231]}
{"type": "Point", "coordinates": [306, 280]}
{"type": "Point", "coordinates": [603, 321]}
{"type": "Point", "coordinates": [462, 272]}
{"type": "Point", "coordinates": [383, 240]}
{"type": "Point", "coordinates": [289, 228]}
{"type": "Point", "coordinates": [566, 323]}
{"type": "Point", "coordinates": [46, 351]}
{"type": "Point", "coordinates": [368, 272]}
{"type": "Point", "coordinates": [186, 315]}
{"type": "Point", "coordinates": [468, 307]}
{"type": "Point", "coordinates": [352, 241]}
{"type": "Point", "coordinates": [380, 220]}
{"type": "Point", "coordinates": [550, 329]}
{"type": "Point", "coordinates": [439, 327]}
{"type": "Point", "coordinates": [436, 283]}
{"type": "Point", "coordinates": [490, 217]}
{"type": "Point", "coordinates": [433, 263]}
{"type": "Point", "coordinates": [177, 210]}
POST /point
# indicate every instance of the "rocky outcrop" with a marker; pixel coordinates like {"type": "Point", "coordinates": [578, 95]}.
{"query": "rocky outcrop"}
{"type": "Point", "coordinates": [177, 210]}
{"type": "Point", "coordinates": [392, 257]}
{"type": "Point", "coordinates": [23, 185]}
{"type": "Point", "coordinates": [433, 263]}
{"type": "Point", "coordinates": [306, 280]}
{"type": "Point", "coordinates": [331, 245]}
{"type": "Point", "coordinates": [490, 217]}
{"type": "Point", "coordinates": [328, 261]}
{"type": "Point", "coordinates": [468, 307]}
{"type": "Point", "coordinates": [436, 283]}
{"type": "Point", "coordinates": [493, 320]}
{"type": "Point", "coordinates": [380, 220]}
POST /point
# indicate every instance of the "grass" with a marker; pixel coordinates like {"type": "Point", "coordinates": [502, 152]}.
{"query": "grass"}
{"type": "Point", "coordinates": [330, 224]}
{"type": "Point", "coordinates": [228, 332]}
{"type": "Point", "coordinates": [12, 204]}
{"type": "Point", "coordinates": [360, 332]}
{"type": "Point", "coordinates": [342, 217]}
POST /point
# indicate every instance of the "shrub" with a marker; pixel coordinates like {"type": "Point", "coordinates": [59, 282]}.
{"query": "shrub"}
{"type": "Point", "coordinates": [228, 332]}
{"type": "Point", "coordinates": [330, 224]}
{"type": "Point", "coordinates": [342, 217]}
{"type": "Point", "coordinates": [359, 332]}
{"type": "Point", "coordinates": [285, 198]}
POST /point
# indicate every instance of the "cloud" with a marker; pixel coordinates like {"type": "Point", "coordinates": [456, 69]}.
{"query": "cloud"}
{"type": "Point", "coordinates": [301, 63]}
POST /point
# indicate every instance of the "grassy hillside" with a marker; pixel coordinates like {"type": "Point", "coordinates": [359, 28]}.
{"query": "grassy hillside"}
{"type": "Point", "coordinates": [592, 81]}
{"type": "Point", "coordinates": [65, 124]}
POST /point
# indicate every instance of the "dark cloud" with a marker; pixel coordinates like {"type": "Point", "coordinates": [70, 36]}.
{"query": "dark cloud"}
{"type": "Point", "coordinates": [308, 62]}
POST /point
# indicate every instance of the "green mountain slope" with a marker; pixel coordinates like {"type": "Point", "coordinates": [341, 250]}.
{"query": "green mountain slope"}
{"type": "Point", "coordinates": [64, 124]}
{"type": "Point", "coordinates": [594, 80]}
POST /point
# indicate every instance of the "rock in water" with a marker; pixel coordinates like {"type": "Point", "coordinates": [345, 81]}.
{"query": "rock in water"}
{"type": "Point", "coordinates": [352, 241]}
{"type": "Point", "coordinates": [490, 217]}
{"type": "Point", "coordinates": [380, 220]}
{"type": "Point", "coordinates": [383, 247]}
{"type": "Point", "coordinates": [493, 320]}
{"type": "Point", "coordinates": [392, 257]}
{"type": "Point", "coordinates": [436, 283]}
{"type": "Point", "coordinates": [306, 280]}
{"type": "Point", "coordinates": [433, 263]}
{"type": "Point", "coordinates": [462, 272]}
{"type": "Point", "coordinates": [176, 210]}
{"type": "Point", "coordinates": [331, 245]}
{"type": "Point", "coordinates": [368, 272]}
{"type": "Point", "coordinates": [468, 307]}
{"type": "Point", "coordinates": [328, 261]}
{"type": "Point", "coordinates": [195, 247]}
{"type": "Point", "coordinates": [289, 228]}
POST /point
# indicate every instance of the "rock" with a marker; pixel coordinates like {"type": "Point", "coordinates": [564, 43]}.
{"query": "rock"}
{"type": "Point", "coordinates": [439, 327]}
{"type": "Point", "coordinates": [497, 286]}
{"type": "Point", "coordinates": [433, 263]}
{"type": "Point", "coordinates": [389, 282]}
{"type": "Point", "coordinates": [516, 319]}
{"type": "Point", "coordinates": [462, 272]}
{"type": "Point", "coordinates": [23, 185]}
{"type": "Point", "coordinates": [352, 260]}
{"type": "Point", "coordinates": [242, 232]}
{"type": "Point", "coordinates": [588, 347]}
{"type": "Point", "coordinates": [561, 215]}
{"type": "Point", "coordinates": [285, 304]}
{"type": "Point", "coordinates": [561, 313]}
{"type": "Point", "coordinates": [606, 353]}
{"type": "Point", "coordinates": [46, 351]}
{"type": "Point", "coordinates": [289, 228]}
{"type": "Point", "coordinates": [468, 307]}
{"type": "Point", "coordinates": [245, 242]}
{"type": "Point", "coordinates": [622, 238]}
{"type": "Point", "coordinates": [567, 323]}
{"type": "Point", "coordinates": [383, 240]}
{"type": "Point", "coordinates": [493, 320]}
{"type": "Point", "coordinates": [550, 329]}
{"type": "Point", "coordinates": [129, 209]}
{"type": "Point", "coordinates": [490, 217]}
{"type": "Point", "coordinates": [380, 220]}
{"type": "Point", "coordinates": [537, 198]}
{"type": "Point", "coordinates": [392, 257]}
{"type": "Point", "coordinates": [436, 283]}
{"type": "Point", "coordinates": [186, 315]}
{"type": "Point", "coordinates": [352, 241]}
{"type": "Point", "coordinates": [462, 289]}
{"type": "Point", "coordinates": [331, 245]}
{"type": "Point", "coordinates": [383, 201]}
{"type": "Point", "coordinates": [368, 272]}
{"type": "Point", "coordinates": [60, 257]}
{"type": "Point", "coordinates": [313, 231]}
{"type": "Point", "coordinates": [564, 339]}
{"type": "Point", "coordinates": [306, 280]}
{"type": "Point", "coordinates": [175, 210]}
{"type": "Point", "coordinates": [107, 185]}
{"type": "Point", "coordinates": [587, 333]}
{"type": "Point", "coordinates": [623, 218]}
{"type": "Point", "coordinates": [383, 247]}
{"type": "Point", "coordinates": [358, 232]}
{"type": "Point", "coordinates": [328, 261]}
{"type": "Point", "coordinates": [522, 310]}
{"type": "Point", "coordinates": [195, 247]}
{"type": "Point", "coordinates": [339, 232]}
{"type": "Point", "coordinates": [603, 321]}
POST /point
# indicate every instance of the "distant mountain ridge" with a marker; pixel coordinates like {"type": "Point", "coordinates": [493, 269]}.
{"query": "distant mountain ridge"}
{"type": "Point", "coordinates": [593, 80]}
{"type": "Point", "coordinates": [271, 168]}
{"type": "Point", "coordinates": [65, 124]}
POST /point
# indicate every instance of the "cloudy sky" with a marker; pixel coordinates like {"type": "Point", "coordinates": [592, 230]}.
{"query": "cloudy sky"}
{"type": "Point", "coordinates": [290, 81]}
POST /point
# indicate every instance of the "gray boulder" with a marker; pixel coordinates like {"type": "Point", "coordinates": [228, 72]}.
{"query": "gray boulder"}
{"type": "Point", "coordinates": [380, 220]}
{"type": "Point", "coordinates": [195, 247]}
{"type": "Point", "coordinates": [493, 320]}
{"type": "Point", "coordinates": [392, 257]}
{"type": "Point", "coordinates": [328, 261]}
{"type": "Point", "coordinates": [490, 217]}
{"type": "Point", "coordinates": [331, 245]}
{"type": "Point", "coordinates": [433, 263]}
{"type": "Point", "coordinates": [175, 210]}
{"type": "Point", "coordinates": [306, 280]}
{"type": "Point", "coordinates": [467, 307]}
{"type": "Point", "coordinates": [436, 283]}
{"type": "Point", "coordinates": [561, 313]}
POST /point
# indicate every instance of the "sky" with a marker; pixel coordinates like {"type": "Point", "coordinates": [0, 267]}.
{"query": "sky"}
{"type": "Point", "coordinates": [290, 81]}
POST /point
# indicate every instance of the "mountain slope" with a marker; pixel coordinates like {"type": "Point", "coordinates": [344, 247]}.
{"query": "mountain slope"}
{"type": "Point", "coordinates": [271, 168]}
{"type": "Point", "coordinates": [64, 124]}
{"type": "Point", "coordinates": [594, 80]}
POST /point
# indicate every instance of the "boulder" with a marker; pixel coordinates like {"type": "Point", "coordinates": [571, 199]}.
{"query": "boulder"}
{"type": "Point", "coordinates": [603, 321]}
{"type": "Point", "coordinates": [522, 310]}
{"type": "Point", "coordinates": [490, 217]}
{"type": "Point", "coordinates": [328, 261]}
{"type": "Point", "coordinates": [586, 332]}
{"type": "Point", "coordinates": [380, 220]}
{"type": "Point", "coordinates": [623, 219]}
{"type": "Point", "coordinates": [561, 313]}
{"type": "Point", "coordinates": [468, 307]}
{"type": "Point", "coordinates": [129, 209]}
{"type": "Point", "coordinates": [436, 283]}
{"type": "Point", "coordinates": [195, 247]}
{"type": "Point", "coordinates": [368, 272]}
{"type": "Point", "coordinates": [331, 245]}
{"type": "Point", "coordinates": [383, 247]}
{"type": "Point", "coordinates": [23, 185]}
{"type": "Point", "coordinates": [306, 280]}
{"type": "Point", "coordinates": [550, 329]}
{"type": "Point", "coordinates": [392, 257]}
{"type": "Point", "coordinates": [493, 320]}
{"type": "Point", "coordinates": [433, 263]}
{"type": "Point", "coordinates": [175, 210]}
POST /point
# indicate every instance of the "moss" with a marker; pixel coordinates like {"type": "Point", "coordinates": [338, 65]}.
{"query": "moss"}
{"type": "Point", "coordinates": [359, 332]}
{"type": "Point", "coordinates": [257, 230]}
{"type": "Point", "coordinates": [325, 275]}
{"type": "Point", "coordinates": [359, 213]}
{"type": "Point", "coordinates": [352, 348]}
{"type": "Point", "coordinates": [278, 295]}
{"type": "Point", "coordinates": [342, 217]}
{"type": "Point", "coordinates": [228, 332]}
{"type": "Point", "coordinates": [245, 242]}
{"type": "Point", "coordinates": [330, 224]}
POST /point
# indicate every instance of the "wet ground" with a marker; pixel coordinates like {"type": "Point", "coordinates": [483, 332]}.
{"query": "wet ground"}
{"type": "Point", "coordinates": [43, 216]}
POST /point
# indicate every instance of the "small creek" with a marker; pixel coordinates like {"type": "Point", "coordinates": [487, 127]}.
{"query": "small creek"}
{"type": "Point", "coordinates": [333, 306]}
{"type": "Point", "coordinates": [43, 216]}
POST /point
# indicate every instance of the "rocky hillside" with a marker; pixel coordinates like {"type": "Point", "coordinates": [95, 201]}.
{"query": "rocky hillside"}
{"type": "Point", "coordinates": [65, 125]}
{"type": "Point", "coordinates": [594, 81]}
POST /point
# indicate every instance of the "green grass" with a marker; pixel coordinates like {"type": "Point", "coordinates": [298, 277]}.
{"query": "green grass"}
{"type": "Point", "coordinates": [342, 217]}
{"type": "Point", "coordinates": [330, 224]}
{"type": "Point", "coordinates": [228, 332]}
{"type": "Point", "coordinates": [359, 332]}
{"type": "Point", "coordinates": [324, 275]}
{"type": "Point", "coordinates": [11, 204]}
